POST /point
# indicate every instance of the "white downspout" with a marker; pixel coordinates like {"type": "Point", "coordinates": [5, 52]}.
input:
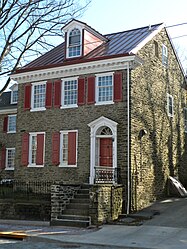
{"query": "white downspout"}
{"type": "Point", "coordinates": [128, 140]}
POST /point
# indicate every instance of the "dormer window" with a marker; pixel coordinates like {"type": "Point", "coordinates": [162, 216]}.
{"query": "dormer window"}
{"type": "Point", "coordinates": [74, 46]}
{"type": "Point", "coordinates": [81, 39]}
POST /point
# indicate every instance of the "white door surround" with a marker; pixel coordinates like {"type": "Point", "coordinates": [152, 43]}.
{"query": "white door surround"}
{"type": "Point", "coordinates": [96, 126]}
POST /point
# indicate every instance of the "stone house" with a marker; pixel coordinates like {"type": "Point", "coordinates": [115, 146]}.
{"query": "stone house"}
{"type": "Point", "coordinates": [103, 110]}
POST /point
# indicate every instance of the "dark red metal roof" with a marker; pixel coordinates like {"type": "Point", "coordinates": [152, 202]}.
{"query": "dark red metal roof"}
{"type": "Point", "coordinates": [121, 43]}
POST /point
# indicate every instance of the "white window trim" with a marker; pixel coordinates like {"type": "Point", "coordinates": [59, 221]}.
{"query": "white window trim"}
{"type": "Point", "coordinates": [32, 98]}
{"type": "Point", "coordinates": [11, 101]}
{"type": "Point", "coordinates": [6, 164]}
{"type": "Point", "coordinates": [67, 44]}
{"type": "Point", "coordinates": [185, 120]}
{"type": "Point", "coordinates": [169, 114]}
{"type": "Point", "coordinates": [62, 165]}
{"type": "Point", "coordinates": [33, 165]}
{"type": "Point", "coordinates": [97, 91]}
{"type": "Point", "coordinates": [62, 93]}
{"type": "Point", "coordinates": [9, 132]}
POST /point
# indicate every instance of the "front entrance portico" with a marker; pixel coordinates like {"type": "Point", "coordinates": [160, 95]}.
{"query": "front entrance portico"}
{"type": "Point", "coordinates": [103, 150]}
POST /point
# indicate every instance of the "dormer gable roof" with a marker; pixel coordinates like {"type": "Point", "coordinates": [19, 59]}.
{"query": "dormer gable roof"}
{"type": "Point", "coordinates": [81, 39]}
{"type": "Point", "coordinates": [76, 23]}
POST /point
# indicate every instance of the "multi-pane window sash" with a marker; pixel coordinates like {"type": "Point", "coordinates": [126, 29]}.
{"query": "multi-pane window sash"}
{"type": "Point", "coordinates": [65, 149]}
{"type": "Point", "coordinates": [68, 148]}
{"type": "Point", "coordinates": [104, 88]}
{"type": "Point", "coordinates": [74, 43]}
{"type": "Point", "coordinates": [14, 96]}
{"type": "Point", "coordinates": [69, 94]}
{"type": "Point", "coordinates": [11, 123]}
{"type": "Point", "coordinates": [38, 96]}
{"type": "Point", "coordinates": [36, 149]}
{"type": "Point", "coordinates": [33, 149]}
{"type": "Point", "coordinates": [10, 158]}
{"type": "Point", "coordinates": [185, 119]}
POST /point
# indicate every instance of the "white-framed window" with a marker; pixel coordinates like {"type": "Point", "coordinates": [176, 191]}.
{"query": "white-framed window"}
{"type": "Point", "coordinates": [14, 94]}
{"type": "Point", "coordinates": [170, 105]}
{"type": "Point", "coordinates": [36, 149]}
{"type": "Point", "coordinates": [10, 158]}
{"type": "Point", "coordinates": [69, 92]}
{"type": "Point", "coordinates": [68, 148]}
{"type": "Point", "coordinates": [11, 124]}
{"type": "Point", "coordinates": [74, 43]}
{"type": "Point", "coordinates": [104, 88]}
{"type": "Point", "coordinates": [185, 119]}
{"type": "Point", "coordinates": [38, 96]}
{"type": "Point", "coordinates": [164, 55]}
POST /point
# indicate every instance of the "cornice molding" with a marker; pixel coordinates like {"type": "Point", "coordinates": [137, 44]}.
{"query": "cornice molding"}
{"type": "Point", "coordinates": [99, 66]}
{"type": "Point", "coordinates": [8, 111]}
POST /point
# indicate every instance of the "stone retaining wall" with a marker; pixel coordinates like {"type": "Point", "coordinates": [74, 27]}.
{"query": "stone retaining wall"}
{"type": "Point", "coordinates": [10, 209]}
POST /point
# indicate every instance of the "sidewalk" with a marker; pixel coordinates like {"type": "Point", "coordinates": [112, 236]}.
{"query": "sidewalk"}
{"type": "Point", "coordinates": [128, 236]}
{"type": "Point", "coordinates": [166, 230]}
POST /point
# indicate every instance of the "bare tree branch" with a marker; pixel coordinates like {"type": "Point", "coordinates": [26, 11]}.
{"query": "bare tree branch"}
{"type": "Point", "coordinates": [26, 27]}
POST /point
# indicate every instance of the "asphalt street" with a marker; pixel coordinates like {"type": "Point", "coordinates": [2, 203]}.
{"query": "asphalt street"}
{"type": "Point", "coordinates": [167, 229]}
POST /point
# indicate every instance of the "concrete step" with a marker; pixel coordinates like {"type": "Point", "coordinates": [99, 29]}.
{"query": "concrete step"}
{"type": "Point", "coordinates": [76, 200]}
{"type": "Point", "coordinates": [83, 191]}
{"type": "Point", "coordinates": [78, 206]}
{"type": "Point", "coordinates": [70, 223]}
{"type": "Point", "coordinates": [71, 211]}
{"type": "Point", "coordinates": [74, 217]}
{"type": "Point", "coordinates": [86, 186]}
{"type": "Point", "coordinates": [82, 196]}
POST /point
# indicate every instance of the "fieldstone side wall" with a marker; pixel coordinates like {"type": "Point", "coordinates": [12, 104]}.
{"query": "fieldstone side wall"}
{"type": "Point", "coordinates": [160, 152]}
{"type": "Point", "coordinates": [60, 197]}
{"type": "Point", "coordinates": [105, 203]}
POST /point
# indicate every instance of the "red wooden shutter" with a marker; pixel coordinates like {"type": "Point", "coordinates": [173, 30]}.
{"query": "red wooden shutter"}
{"type": "Point", "coordinates": [117, 87]}
{"type": "Point", "coordinates": [27, 97]}
{"type": "Point", "coordinates": [48, 99]}
{"type": "Point", "coordinates": [57, 94]}
{"type": "Point", "coordinates": [91, 90]}
{"type": "Point", "coordinates": [56, 148]}
{"type": "Point", "coordinates": [81, 91]}
{"type": "Point", "coordinates": [40, 149]}
{"type": "Point", "coordinates": [72, 148]}
{"type": "Point", "coordinates": [25, 149]}
{"type": "Point", "coordinates": [3, 157]}
{"type": "Point", "coordinates": [5, 124]}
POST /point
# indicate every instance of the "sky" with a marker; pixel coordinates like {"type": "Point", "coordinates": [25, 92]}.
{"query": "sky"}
{"type": "Point", "coordinates": [110, 16]}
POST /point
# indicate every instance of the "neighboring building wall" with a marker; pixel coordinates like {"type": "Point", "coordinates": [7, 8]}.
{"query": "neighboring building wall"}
{"type": "Point", "coordinates": [158, 153]}
{"type": "Point", "coordinates": [6, 141]}
{"type": "Point", "coordinates": [56, 119]}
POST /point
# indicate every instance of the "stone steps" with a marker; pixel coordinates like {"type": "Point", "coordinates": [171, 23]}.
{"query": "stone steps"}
{"type": "Point", "coordinates": [86, 201]}
{"type": "Point", "coordinates": [76, 213]}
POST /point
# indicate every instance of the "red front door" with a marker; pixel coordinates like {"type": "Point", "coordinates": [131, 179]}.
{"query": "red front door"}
{"type": "Point", "coordinates": [105, 158]}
